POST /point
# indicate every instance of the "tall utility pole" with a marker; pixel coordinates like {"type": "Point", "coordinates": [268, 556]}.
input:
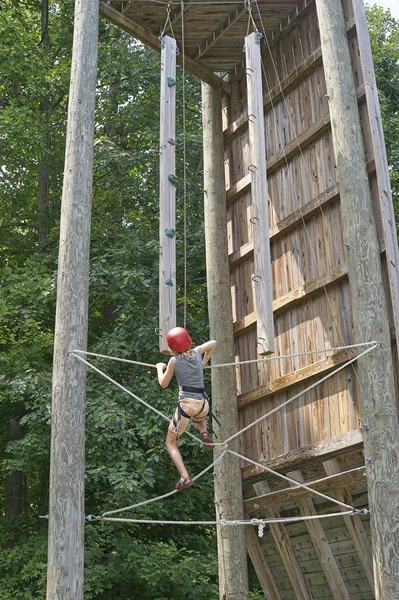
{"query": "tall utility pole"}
{"type": "Point", "coordinates": [66, 511]}
{"type": "Point", "coordinates": [370, 314]}
{"type": "Point", "coordinates": [233, 576]}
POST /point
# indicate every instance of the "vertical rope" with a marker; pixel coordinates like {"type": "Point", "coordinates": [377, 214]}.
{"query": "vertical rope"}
{"type": "Point", "coordinates": [184, 172]}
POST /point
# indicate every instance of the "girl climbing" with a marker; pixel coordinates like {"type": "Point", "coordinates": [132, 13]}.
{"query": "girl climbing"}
{"type": "Point", "coordinates": [187, 364]}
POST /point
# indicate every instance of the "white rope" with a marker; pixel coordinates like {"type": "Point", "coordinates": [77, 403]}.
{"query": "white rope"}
{"type": "Point", "coordinates": [125, 360]}
{"type": "Point", "coordinates": [232, 437]}
{"type": "Point", "coordinates": [145, 502]}
{"type": "Point", "coordinates": [297, 484]}
{"type": "Point", "coordinates": [121, 387]}
{"type": "Point", "coordinates": [232, 523]}
{"type": "Point", "coordinates": [236, 364]}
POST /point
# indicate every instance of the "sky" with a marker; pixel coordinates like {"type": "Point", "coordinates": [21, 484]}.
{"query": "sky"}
{"type": "Point", "coordinates": [393, 6]}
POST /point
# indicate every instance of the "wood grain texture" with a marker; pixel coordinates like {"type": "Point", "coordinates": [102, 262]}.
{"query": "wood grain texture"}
{"type": "Point", "coordinates": [67, 461]}
{"type": "Point", "coordinates": [167, 194]}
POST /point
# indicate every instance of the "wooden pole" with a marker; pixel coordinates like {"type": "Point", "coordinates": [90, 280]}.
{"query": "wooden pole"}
{"type": "Point", "coordinates": [370, 315]}
{"type": "Point", "coordinates": [66, 511]}
{"type": "Point", "coordinates": [233, 576]}
{"type": "Point", "coordinates": [260, 212]}
{"type": "Point", "coordinates": [167, 193]}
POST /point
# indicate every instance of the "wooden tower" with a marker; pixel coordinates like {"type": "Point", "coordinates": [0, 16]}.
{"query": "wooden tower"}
{"type": "Point", "coordinates": [313, 267]}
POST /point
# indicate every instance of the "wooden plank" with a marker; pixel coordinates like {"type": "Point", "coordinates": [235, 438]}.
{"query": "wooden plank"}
{"type": "Point", "coordinates": [260, 564]}
{"type": "Point", "coordinates": [284, 546]}
{"type": "Point", "coordinates": [289, 222]}
{"type": "Point", "coordinates": [297, 295]}
{"type": "Point", "coordinates": [242, 186]}
{"type": "Point", "coordinates": [167, 194]}
{"type": "Point", "coordinates": [355, 526]}
{"type": "Point", "coordinates": [293, 494]}
{"type": "Point", "coordinates": [296, 459]}
{"type": "Point", "coordinates": [369, 305]}
{"type": "Point", "coordinates": [271, 97]}
{"type": "Point", "coordinates": [219, 33]}
{"type": "Point", "coordinates": [381, 162]}
{"type": "Point", "coordinates": [320, 367]}
{"type": "Point", "coordinates": [322, 547]}
{"type": "Point", "coordinates": [256, 127]}
{"type": "Point", "coordinates": [147, 37]}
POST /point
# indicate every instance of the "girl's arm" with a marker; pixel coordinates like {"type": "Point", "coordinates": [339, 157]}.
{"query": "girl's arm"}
{"type": "Point", "coordinates": [207, 350]}
{"type": "Point", "coordinates": [165, 373]}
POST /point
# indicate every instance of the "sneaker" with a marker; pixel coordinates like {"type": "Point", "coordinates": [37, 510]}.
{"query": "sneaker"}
{"type": "Point", "coordinates": [207, 441]}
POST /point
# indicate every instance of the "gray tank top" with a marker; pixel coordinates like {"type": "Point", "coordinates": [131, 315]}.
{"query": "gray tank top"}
{"type": "Point", "coordinates": [189, 371]}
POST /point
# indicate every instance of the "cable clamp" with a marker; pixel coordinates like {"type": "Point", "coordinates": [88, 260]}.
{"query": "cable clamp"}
{"type": "Point", "coordinates": [261, 528]}
{"type": "Point", "coordinates": [361, 511]}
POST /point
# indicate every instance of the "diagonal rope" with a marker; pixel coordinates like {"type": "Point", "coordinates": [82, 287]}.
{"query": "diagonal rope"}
{"type": "Point", "coordinates": [271, 412]}
{"type": "Point", "coordinates": [124, 389]}
{"type": "Point", "coordinates": [145, 502]}
{"type": "Point", "coordinates": [238, 363]}
{"type": "Point", "coordinates": [297, 484]}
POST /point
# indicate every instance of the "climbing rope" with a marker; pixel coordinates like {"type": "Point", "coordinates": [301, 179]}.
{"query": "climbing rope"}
{"type": "Point", "coordinates": [226, 449]}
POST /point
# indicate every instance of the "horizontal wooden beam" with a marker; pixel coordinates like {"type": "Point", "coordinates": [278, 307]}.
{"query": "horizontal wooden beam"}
{"type": "Point", "coordinates": [297, 75]}
{"type": "Point", "coordinates": [292, 494]}
{"type": "Point", "coordinates": [147, 37]}
{"type": "Point", "coordinates": [321, 367]}
{"type": "Point", "coordinates": [289, 222]}
{"type": "Point", "coordinates": [296, 295]}
{"type": "Point", "coordinates": [239, 188]}
{"type": "Point", "coordinates": [302, 457]}
{"type": "Point", "coordinates": [309, 288]}
{"type": "Point", "coordinates": [219, 33]}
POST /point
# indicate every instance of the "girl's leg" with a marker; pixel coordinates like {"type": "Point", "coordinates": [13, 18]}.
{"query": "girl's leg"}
{"type": "Point", "coordinates": [174, 453]}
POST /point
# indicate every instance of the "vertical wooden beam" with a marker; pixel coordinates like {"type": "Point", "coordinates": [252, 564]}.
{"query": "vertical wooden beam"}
{"type": "Point", "coordinates": [369, 306]}
{"type": "Point", "coordinates": [66, 509]}
{"type": "Point", "coordinates": [167, 193]}
{"type": "Point", "coordinates": [259, 192]}
{"type": "Point", "coordinates": [381, 162]}
{"type": "Point", "coordinates": [321, 546]}
{"type": "Point", "coordinates": [260, 565]}
{"type": "Point", "coordinates": [284, 546]}
{"type": "Point", "coordinates": [355, 526]}
{"type": "Point", "coordinates": [233, 576]}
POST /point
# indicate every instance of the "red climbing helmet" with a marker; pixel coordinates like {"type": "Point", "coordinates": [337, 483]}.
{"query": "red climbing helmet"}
{"type": "Point", "coordinates": [179, 339]}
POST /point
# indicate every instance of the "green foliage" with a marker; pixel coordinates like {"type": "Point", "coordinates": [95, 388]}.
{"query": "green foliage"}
{"type": "Point", "coordinates": [384, 38]}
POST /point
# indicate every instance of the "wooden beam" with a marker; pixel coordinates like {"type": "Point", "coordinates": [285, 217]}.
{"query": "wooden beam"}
{"type": "Point", "coordinates": [320, 367]}
{"type": "Point", "coordinates": [65, 565]}
{"type": "Point", "coordinates": [219, 33]}
{"type": "Point", "coordinates": [289, 222]}
{"type": "Point", "coordinates": [309, 288]}
{"type": "Point", "coordinates": [297, 459]}
{"type": "Point", "coordinates": [236, 190]}
{"type": "Point", "coordinates": [370, 313]}
{"type": "Point", "coordinates": [285, 548]}
{"type": "Point", "coordinates": [259, 193]}
{"type": "Point", "coordinates": [325, 485]}
{"type": "Point", "coordinates": [147, 37]}
{"type": "Point", "coordinates": [322, 547]}
{"type": "Point", "coordinates": [270, 98]}
{"type": "Point", "coordinates": [260, 565]}
{"type": "Point", "coordinates": [228, 488]}
{"type": "Point", "coordinates": [167, 194]}
{"type": "Point", "coordinates": [355, 526]}
{"type": "Point", "coordinates": [297, 295]}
